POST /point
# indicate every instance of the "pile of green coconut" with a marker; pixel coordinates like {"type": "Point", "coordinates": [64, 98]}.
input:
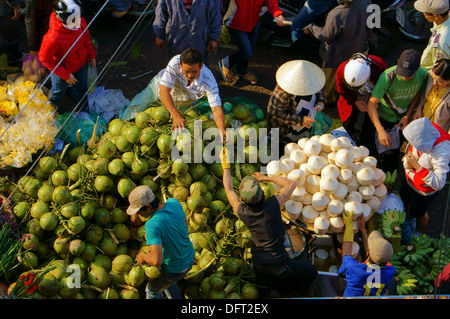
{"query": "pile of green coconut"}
{"type": "Point", "coordinates": [72, 211]}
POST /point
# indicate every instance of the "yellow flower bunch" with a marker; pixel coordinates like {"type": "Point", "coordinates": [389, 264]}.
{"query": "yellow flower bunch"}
{"type": "Point", "coordinates": [9, 107]}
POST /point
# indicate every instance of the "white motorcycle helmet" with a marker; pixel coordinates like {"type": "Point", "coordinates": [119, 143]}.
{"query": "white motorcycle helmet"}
{"type": "Point", "coordinates": [69, 13]}
{"type": "Point", "coordinates": [357, 70]}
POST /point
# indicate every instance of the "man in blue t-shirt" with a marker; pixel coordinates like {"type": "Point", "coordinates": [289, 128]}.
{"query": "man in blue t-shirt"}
{"type": "Point", "coordinates": [167, 237]}
{"type": "Point", "coordinates": [374, 277]}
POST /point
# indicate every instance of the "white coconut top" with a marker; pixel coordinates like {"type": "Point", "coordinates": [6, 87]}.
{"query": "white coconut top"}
{"type": "Point", "coordinates": [364, 151]}
{"type": "Point", "coordinates": [315, 164]}
{"type": "Point", "coordinates": [297, 176]}
{"type": "Point", "coordinates": [345, 175]}
{"type": "Point", "coordinates": [298, 156]}
{"type": "Point", "coordinates": [325, 141]}
{"type": "Point", "coordinates": [355, 196]}
{"type": "Point", "coordinates": [330, 170]}
{"type": "Point", "coordinates": [357, 153]}
{"type": "Point", "coordinates": [331, 158]}
{"type": "Point", "coordinates": [365, 175]}
{"type": "Point", "coordinates": [367, 191]}
{"type": "Point", "coordinates": [299, 193]}
{"type": "Point", "coordinates": [313, 184]}
{"type": "Point", "coordinates": [370, 161]}
{"type": "Point", "coordinates": [289, 147]}
{"type": "Point", "coordinates": [337, 222]}
{"type": "Point", "coordinates": [355, 207]}
{"type": "Point", "coordinates": [273, 168]}
{"type": "Point", "coordinates": [286, 165]}
{"type": "Point", "coordinates": [320, 201]}
{"type": "Point", "coordinates": [309, 214]}
{"type": "Point", "coordinates": [336, 145]}
{"type": "Point", "coordinates": [374, 203]}
{"type": "Point", "coordinates": [321, 223]}
{"type": "Point", "coordinates": [380, 191]}
{"type": "Point", "coordinates": [335, 207]}
{"type": "Point", "coordinates": [346, 142]}
{"type": "Point", "coordinates": [307, 199]}
{"type": "Point", "coordinates": [344, 158]}
{"type": "Point", "coordinates": [293, 207]}
{"type": "Point", "coordinates": [301, 142]}
{"type": "Point", "coordinates": [312, 147]}
{"type": "Point", "coordinates": [366, 210]}
{"type": "Point", "coordinates": [356, 167]}
{"type": "Point", "coordinates": [340, 192]}
{"type": "Point", "coordinates": [304, 168]}
{"type": "Point", "coordinates": [328, 185]}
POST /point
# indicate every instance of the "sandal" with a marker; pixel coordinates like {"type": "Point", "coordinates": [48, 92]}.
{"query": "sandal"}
{"type": "Point", "coordinates": [227, 74]}
{"type": "Point", "coordinates": [250, 78]}
{"type": "Point", "coordinates": [120, 14]}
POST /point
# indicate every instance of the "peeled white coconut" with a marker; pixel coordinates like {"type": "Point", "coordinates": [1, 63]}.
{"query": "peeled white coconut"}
{"type": "Point", "coordinates": [346, 142]}
{"type": "Point", "coordinates": [313, 184]}
{"type": "Point", "coordinates": [366, 210]}
{"type": "Point", "coordinates": [298, 176]}
{"type": "Point", "coordinates": [273, 168]}
{"type": "Point", "coordinates": [355, 207]}
{"type": "Point", "coordinates": [340, 193]}
{"type": "Point", "coordinates": [335, 208]}
{"type": "Point", "coordinates": [330, 170]}
{"type": "Point", "coordinates": [370, 161]}
{"type": "Point", "coordinates": [286, 165]}
{"type": "Point", "coordinates": [293, 209]}
{"type": "Point", "coordinates": [320, 201]}
{"type": "Point", "coordinates": [328, 185]}
{"type": "Point", "coordinates": [379, 177]}
{"type": "Point", "coordinates": [364, 151]}
{"type": "Point", "coordinates": [325, 141]}
{"type": "Point", "coordinates": [345, 175]}
{"type": "Point", "coordinates": [298, 156]}
{"type": "Point", "coordinates": [289, 147]}
{"type": "Point", "coordinates": [355, 226]}
{"type": "Point", "coordinates": [344, 158]}
{"type": "Point", "coordinates": [304, 168]}
{"type": "Point", "coordinates": [299, 193]}
{"type": "Point", "coordinates": [355, 249]}
{"type": "Point", "coordinates": [331, 158]}
{"type": "Point", "coordinates": [381, 192]}
{"type": "Point", "coordinates": [356, 154]}
{"type": "Point", "coordinates": [374, 203]}
{"type": "Point", "coordinates": [336, 145]}
{"type": "Point", "coordinates": [301, 142]}
{"type": "Point", "coordinates": [356, 167]}
{"type": "Point", "coordinates": [336, 224]}
{"type": "Point", "coordinates": [355, 196]}
{"type": "Point", "coordinates": [309, 214]}
{"type": "Point", "coordinates": [353, 185]}
{"type": "Point", "coordinates": [324, 214]}
{"type": "Point", "coordinates": [315, 138]}
{"type": "Point", "coordinates": [367, 191]}
{"type": "Point", "coordinates": [307, 199]}
{"type": "Point", "coordinates": [315, 164]}
{"type": "Point", "coordinates": [312, 147]}
{"type": "Point", "coordinates": [365, 175]}
{"type": "Point", "coordinates": [321, 225]}
{"type": "Point", "coordinates": [321, 254]}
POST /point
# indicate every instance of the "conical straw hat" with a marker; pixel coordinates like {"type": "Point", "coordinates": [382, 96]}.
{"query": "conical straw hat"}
{"type": "Point", "coordinates": [300, 77]}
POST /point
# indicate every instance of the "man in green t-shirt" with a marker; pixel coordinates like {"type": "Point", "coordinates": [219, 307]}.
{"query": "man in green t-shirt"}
{"type": "Point", "coordinates": [167, 239]}
{"type": "Point", "coordinates": [392, 102]}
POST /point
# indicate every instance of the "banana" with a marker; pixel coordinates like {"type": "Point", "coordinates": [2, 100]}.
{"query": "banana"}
{"type": "Point", "coordinates": [394, 177]}
{"type": "Point", "coordinates": [387, 179]}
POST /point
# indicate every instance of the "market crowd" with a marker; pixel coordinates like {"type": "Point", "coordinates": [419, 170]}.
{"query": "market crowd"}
{"type": "Point", "coordinates": [408, 102]}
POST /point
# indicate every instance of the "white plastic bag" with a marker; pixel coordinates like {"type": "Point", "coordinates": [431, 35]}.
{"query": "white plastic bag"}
{"type": "Point", "coordinates": [91, 78]}
{"type": "Point", "coordinates": [391, 201]}
{"type": "Point", "coordinates": [394, 135]}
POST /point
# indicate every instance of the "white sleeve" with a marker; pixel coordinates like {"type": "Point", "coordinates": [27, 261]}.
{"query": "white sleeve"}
{"type": "Point", "coordinates": [170, 73]}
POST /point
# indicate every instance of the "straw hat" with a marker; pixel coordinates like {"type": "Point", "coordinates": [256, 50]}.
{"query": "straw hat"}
{"type": "Point", "coordinates": [300, 77]}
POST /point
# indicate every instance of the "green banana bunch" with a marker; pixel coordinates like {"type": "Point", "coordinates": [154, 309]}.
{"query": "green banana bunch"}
{"type": "Point", "coordinates": [391, 222]}
{"type": "Point", "coordinates": [390, 178]}
{"type": "Point", "coordinates": [425, 283]}
{"type": "Point", "coordinates": [406, 283]}
{"type": "Point", "coordinates": [439, 260]}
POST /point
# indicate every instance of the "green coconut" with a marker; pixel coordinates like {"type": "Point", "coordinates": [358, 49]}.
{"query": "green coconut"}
{"type": "Point", "coordinates": [48, 285]}
{"type": "Point", "coordinates": [181, 193]}
{"type": "Point", "coordinates": [49, 221]}
{"type": "Point", "coordinates": [38, 209]}
{"type": "Point", "coordinates": [127, 159]}
{"type": "Point", "coordinates": [70, 210]}
{"type": "Point", "coordinates": [109, 201]}
{"type": "Point", "coordinates": [223, 226]}
{"type": "Point", "coordinates": [48, 164]}
{"type": "Point", "coordinates": [99, 277]}
{"type": "Point", "coordinates": [108, 245]}
{"type": "Point", "coordinates": [30, 242]}
{"type": "Point", "coordinates": [106, 149]}
{"type": "Point", "coordinates": [129, 294]}
{"type": "Point", "coordinates": [61, 195]}
{"type": "Point", "coordinates": [82, 159]}
{"type": "Point", "coordinates": [122, 143]}
{"type": "Point", "coordinates": [139, 165]}
{"type": "Point", "coordinates": [74, 172]}
{"type": "Point", "coordinates": [87, 211]}
{"type": "Point", "coordinates": [93, 234]}
{"type": "Point", "coordinates": [216, 169]}
{"type": "Point", "coordinates": [209, 181]}
{"type": "Point", "coordinates": [116, 167]}
{"type": "Point", "coordinates": [122, 232]}
{"type": "Point", "coordinates": [30, 186]}
{"type": "Point", "coordinates": [198, 188]}
{"type": "Point", "coordinates": [33, 227]}
{"type": "Point", "coordinates": [183, 180]}
{"type": "Point", "coordinates": [164, 169]}
{"type": "Point", "coordinates": [142, 119]}
{"type": "Point", "coordinates": [67, 289]}
{"type": "Point", "coordinates": [39, 173]}
{"type": "Point", "coordinates": [76, 224]}
{"type": "Point", "coordinates": [268, 189]}
{"type": "Point", "coordinates": [102, 261]}
{"type": "Point", "coordinates": [132, 133]}
{"type": "Point", "coordinates": [119, 215]}
{"type": "Point", "coordinates": [159, 114]}
{"type": "Point", "coordinates": [247, 169]}
{"type": "Point", "coordinates": [195, 203]}
{"type": "Point", "coordinates": [61, 246]}
{"type": "Point", "coordinates": [100, 166]}
{"type": "Point", "coordinates": [76, 247]}
{"type": "Point", "coordinates": [216, 207]}
{"type": "Point", "coordinates": [122, 263]}
{"type": "Point", "coordinates": [102, 216]}
{"type": "Point", "coordinates": [104, 184]}
{"type": "Point", "coordinates": [148, 136]}
{"type": "Point", "coordinates": [232, 266]}
{"type": "Point", "coordinates": [89, 252]}
{"type": "Point", "coordinates": [148, 180]}
{"type": "Point", "coordinates": [115, 126]}
{"type": "Point", "coordinates": [197, 170]}
{"type": "Point", "coordinates": [135, 277]}
{"type": "Point", "coordinates": [125, 186]}
{"type": "Point", "coordinates": [152, 272]}
{"type": "Point", "coordinates": [21, 210]}
{"type": "Point", "coordinates": [198, 221]}
{"type": "Point", "coordinates": [249, 291]}
{"type": "Point", "coordinates": [164, 142]}
{"type": "Point", "coordinates": [222, 195]}
{"type": "Point", "coordinates": [179, 167]}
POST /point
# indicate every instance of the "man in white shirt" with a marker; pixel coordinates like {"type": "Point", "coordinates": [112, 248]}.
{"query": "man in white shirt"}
{"type": "Point", "coordinates": [186, 79]}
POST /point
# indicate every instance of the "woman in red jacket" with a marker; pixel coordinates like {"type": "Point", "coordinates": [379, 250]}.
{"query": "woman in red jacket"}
{"type": "Point", "coordinates": [65, 30]}
{"type": "Point", "coordinates": [244, 25]}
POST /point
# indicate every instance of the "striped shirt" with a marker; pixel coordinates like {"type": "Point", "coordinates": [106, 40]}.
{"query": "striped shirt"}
{"type": "Point", "coordinates": [173, 78]}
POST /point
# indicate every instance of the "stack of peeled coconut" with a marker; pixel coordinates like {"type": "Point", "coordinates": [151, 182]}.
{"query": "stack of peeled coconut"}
{"type": "Point", "coordinates": [332, 176]}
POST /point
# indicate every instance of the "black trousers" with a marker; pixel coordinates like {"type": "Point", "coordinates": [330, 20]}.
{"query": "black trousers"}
{"type": "Point", "coordinates": [9, 39]}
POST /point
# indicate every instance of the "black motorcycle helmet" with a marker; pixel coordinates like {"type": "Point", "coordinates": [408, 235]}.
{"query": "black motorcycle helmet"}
{"type": "Point", "coordinates": [63, 9]}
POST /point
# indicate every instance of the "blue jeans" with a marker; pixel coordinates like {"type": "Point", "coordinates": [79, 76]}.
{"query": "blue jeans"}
{"type": "Point", "coordinates": [246, 42]}
{"type": "Point", "coordinates": [308, 13]}
{"type": "Point", "coordinates": [76, 91]}
{"type": "Point", "coordinates": [167, 283]}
